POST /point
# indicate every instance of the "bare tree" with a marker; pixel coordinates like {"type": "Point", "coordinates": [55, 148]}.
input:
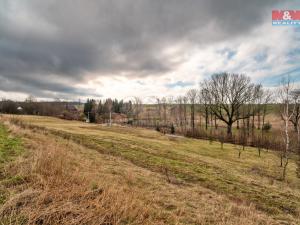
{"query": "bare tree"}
{"type": "Point", "coordinates": [171, 109]}
{"type": "Point", "coordinates": [296, 122]}
{"type": "Point", "coordinates": [286, 115]}
{"type": "Point", "coordinates": [179, 104]}
{"type": "Point", "coordinates": [296, 116]}
{"type": "Point", "coordinates": [30, 105]}
{"type": "Point", "coordinates": [164, 107]}
{"type": "Point", "coordinates": [256, 105]}
{"type": "Point", "coordinates": [158, 108]}
{"type": "Point", "coordinates": [267, 97]}
{"type": "Point", "coordinates": [192, 96]}
{"type": "Point", "coordinates": [227, 93]}
{"type": "Point", "coordinates": [205, 101]}
{"type": "Point", "coordinates": [264, 98]}
{"type": "Point", "coordinates": [185, 102]}
{"type": "Point", "coordinates": [30, 98]}
{"type": "Point", "coordinates": [242, 133]}
{"type": "Point", "coordinates": [137, 108]}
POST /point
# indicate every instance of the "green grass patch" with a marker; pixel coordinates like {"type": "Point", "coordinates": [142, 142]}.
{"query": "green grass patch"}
{"type": "Point", "coordinates": [13, 181]}
{"type": "Point", "coordinates": [10, 147]}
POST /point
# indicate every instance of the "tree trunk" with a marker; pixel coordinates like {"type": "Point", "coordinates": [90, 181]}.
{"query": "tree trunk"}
{"type": "Point", "coordinates": [185, 117]}
{"type": "Point", "coordinates": [285, 167]}
{"type": "Point", "coordinates": [258, 120]}
{"type": "Point", "coordinates": [296, 127]}
{"type": "Point", "coordinates": [211, 119]}
{"type": "Point", "coordinates": [229, 129]}
{"type": "Point", "coordinates": [216, 126]}
{"type": "Point", "coordinates": [238, 122]}
{"type": "Point", "coordinates": [298, 163]}
{"type": "Point", "coordinates": [248, 126]}
{"type": "Point", "coordinates": [206, 118]}
{"type": "Point", "coordinates": [193, 117]}
{"type": "Point", "coordinates": [287, 146]}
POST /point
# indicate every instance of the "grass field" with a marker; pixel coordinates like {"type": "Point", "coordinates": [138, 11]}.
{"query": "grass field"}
{"type": "Point", "coordinates": [162, 179]}
{"type": "Point", "coordinates": [9, 148]}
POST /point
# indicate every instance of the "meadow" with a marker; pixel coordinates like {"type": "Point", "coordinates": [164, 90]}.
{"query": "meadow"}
{"type": "Point", "coordinates": [78, 173]}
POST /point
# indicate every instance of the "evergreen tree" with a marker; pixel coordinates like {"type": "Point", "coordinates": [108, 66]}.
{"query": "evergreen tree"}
{"type": "Point", "coordinates": [89, 110]}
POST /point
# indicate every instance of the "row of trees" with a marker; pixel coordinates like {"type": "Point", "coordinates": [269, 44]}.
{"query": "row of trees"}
{"type": "Point", "coordinates": [223, 100]}
{"type": "Point", "coordinates": [102, 111]}
{"type": "Point", "coordinates": [33, 107]}
{"type": "Point", "coordinates": [228, 99]}
{"type": "Point", "coordinates": [226, 107]}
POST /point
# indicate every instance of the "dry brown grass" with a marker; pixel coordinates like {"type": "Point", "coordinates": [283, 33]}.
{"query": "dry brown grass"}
{"type": "Point", "coordinates": [57, 193]}
{"type": "Point", "coordinates": [66, 183]}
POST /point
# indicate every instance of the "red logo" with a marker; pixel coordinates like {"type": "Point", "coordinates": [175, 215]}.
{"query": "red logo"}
{"type": "Point", "coordinates": [285, 14]}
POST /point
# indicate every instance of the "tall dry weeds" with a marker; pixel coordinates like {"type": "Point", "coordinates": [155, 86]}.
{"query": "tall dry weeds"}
{"type": "Point", "coordinates": [58, 194]}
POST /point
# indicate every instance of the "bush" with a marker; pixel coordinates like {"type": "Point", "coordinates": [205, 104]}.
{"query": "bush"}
{"type": "Point", "coordinates": [267, 126]}
{"type": "Point", "coordinates": [157, 128]}
{"type": "Point", "coordinates": [172, 129]}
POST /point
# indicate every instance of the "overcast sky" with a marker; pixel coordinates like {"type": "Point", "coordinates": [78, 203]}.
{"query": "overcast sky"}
{"type": "Point", "coordinates": [123, 48]}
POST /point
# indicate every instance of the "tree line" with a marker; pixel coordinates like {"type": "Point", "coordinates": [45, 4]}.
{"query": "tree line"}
{"type": "Point", "coordinates": [225, 108]}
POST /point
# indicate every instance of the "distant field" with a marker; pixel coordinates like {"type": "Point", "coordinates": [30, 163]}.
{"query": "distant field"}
{"type": "Point", "coordinates": [190, 181]}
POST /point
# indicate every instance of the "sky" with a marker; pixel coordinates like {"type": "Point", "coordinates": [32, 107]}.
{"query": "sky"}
{"type": "Point", "coordinates": [76, 49]}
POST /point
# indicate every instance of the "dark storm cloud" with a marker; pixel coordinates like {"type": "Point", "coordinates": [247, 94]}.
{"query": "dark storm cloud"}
{"type": "Point", "coordinates": [65, 40]}
{"type": "Point", "coordinates": [43, 88]}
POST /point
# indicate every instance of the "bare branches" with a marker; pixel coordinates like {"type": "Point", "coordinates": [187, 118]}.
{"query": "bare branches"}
{"type": "Point", "coordinates": [192, 96]}
{"type": "Point", "coordinates": [227, 93]}
{"type": "Point", "coordinates": [286, 115]}
{"type": "Point", "coordinates": [137, 108]}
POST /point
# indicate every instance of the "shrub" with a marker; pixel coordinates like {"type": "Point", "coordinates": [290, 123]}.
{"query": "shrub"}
{"type": "Point", "coordinates": [172, 129]}
{"type": "Point", "coordinates": [267, 126]}
{"type": "Point", "coordinates": [157, 128]}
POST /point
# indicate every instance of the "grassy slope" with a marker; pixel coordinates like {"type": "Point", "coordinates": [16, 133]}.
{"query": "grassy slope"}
{"type": "Point", "coordinates": [9, 148]}
{"type": "Point", "coordinates": [193, 162]}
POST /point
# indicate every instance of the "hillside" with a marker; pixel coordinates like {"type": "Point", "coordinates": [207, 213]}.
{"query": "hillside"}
{"type": "Point", "coordinates": [76, 173]}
